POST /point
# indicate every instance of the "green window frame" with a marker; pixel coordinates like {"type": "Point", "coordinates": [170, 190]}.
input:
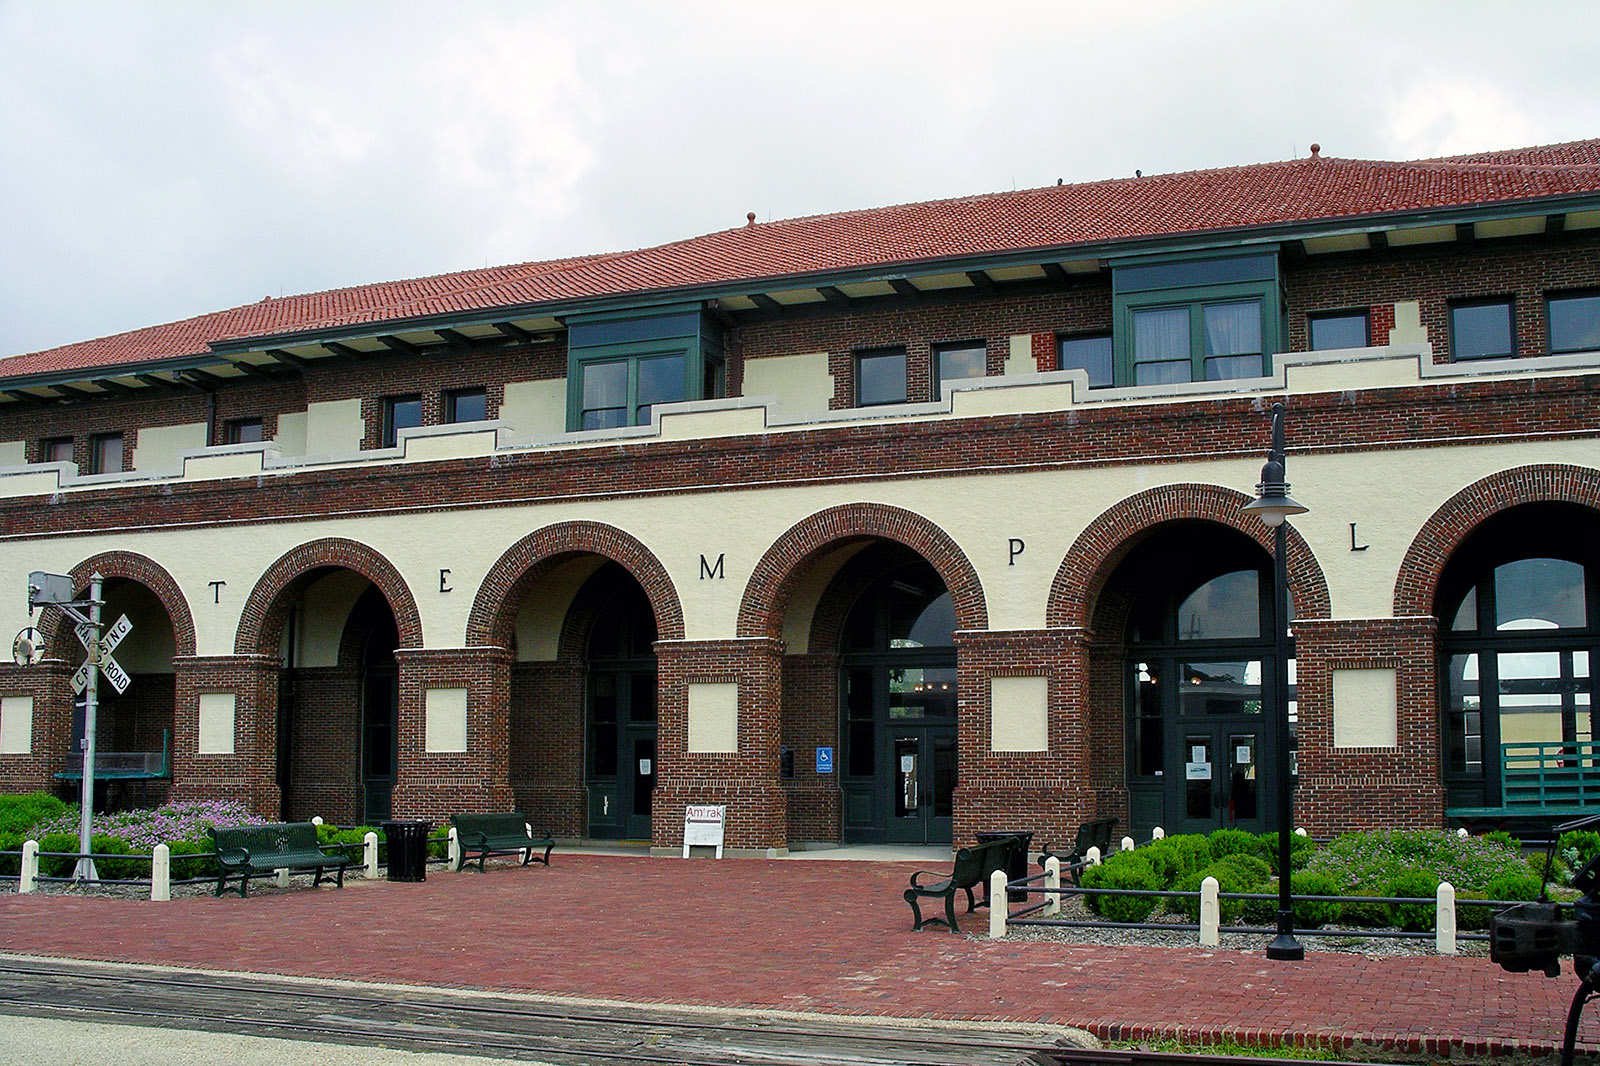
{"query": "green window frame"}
{"type": "Point", "coordinates": [1186, 319]}
{"type": "Point", "coordinates": [621, 365]}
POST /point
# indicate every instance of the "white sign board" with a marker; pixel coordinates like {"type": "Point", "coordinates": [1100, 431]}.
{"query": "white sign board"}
{"type": "Point", "coordinates": [704, 826]}
{"type": "Point", "coordinates": [115, 674]}
{"type": "Point", "coordinates": [1197, 771]}
{"type": "Point", "coordinates": [114, 635]}
{"type": "Point", "coordinates": [80, 678]}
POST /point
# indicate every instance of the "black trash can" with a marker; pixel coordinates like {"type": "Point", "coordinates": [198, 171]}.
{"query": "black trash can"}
{"type": "Point", "coordinates": [407, 841]}
{"type": "Point", "coordinates": [1017, 862]}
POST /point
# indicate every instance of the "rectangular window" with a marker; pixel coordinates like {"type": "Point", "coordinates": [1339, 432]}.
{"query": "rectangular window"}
{"type": "Point", "coordinates": [106, 453]}
{"type": "Point", "coordinates": [1195, 319]}
{"type": "Point", "coordinates": [1574, 323]}
{"type": "Point", "coordinates": [1233, 340]}
{"type": "Point", "coordinates": [622, 392]}
{"type": "Point", "coordinates": [1483, 329]}
{"type": "Point", "coordinates": [660, 380]}
{"type": "Point", "coordinates": [466, 405]}
{"type": "Point", "coordinates": [1161, 346]}
{"type": "Point", "coordinates": [1339, 329]}
{"type": "Point", "coordinates": [956, 362]}
{"type": "Point", "coordinates": [1090, 352]}
{"type": "Point", "coordinates": [880, 377]}
{"type": "Point", "coordinates": [55, 450]}
{"type": "Point", "coordinates": [622, 365]}
{"type": "Point", "coordinates": [244, 431]}
{"type": "Point", "coordinates": [400, 412]}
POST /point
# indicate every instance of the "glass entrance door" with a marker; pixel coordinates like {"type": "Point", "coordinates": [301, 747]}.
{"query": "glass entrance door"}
{"type": "Point", "coordinates": [622, 752]}
{"type": "Point", "coordinates": [922, 784]}
{"type": "Point", "coordinates": [1220, 787]}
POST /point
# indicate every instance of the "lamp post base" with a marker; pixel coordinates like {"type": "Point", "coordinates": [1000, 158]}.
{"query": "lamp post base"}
{"type": "Point", "coordinates": [1285, 948]}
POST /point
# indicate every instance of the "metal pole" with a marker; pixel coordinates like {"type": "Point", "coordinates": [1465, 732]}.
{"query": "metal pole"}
{"type": "Point", "coordinates": [85, 870]}
{"type": "Point", "coordinates": [1285, 946]}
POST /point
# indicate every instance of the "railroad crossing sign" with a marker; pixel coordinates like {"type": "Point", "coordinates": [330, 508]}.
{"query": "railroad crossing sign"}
{"type": "Point", "coordinates": [100, 655]}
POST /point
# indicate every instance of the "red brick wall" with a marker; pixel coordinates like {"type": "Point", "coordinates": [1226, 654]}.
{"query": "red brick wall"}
{"type": "Point", "coordinates": [810, 715]}
{"type": "Point", "coordinates": [545, 722]}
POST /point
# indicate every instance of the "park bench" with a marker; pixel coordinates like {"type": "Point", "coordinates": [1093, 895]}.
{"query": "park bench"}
{"type": "Point", "coordinates": [498, 834]}
{"type": "Point", "coordinates": [1095, 833]}
{"type": "Point", "coordinates": [972, 867]}
{"type": "Point", "coordinates": [250, 850]}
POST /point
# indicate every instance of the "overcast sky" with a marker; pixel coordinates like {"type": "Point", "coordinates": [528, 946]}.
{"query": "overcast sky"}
{"type": "Point", "coordinates": [161, 160]}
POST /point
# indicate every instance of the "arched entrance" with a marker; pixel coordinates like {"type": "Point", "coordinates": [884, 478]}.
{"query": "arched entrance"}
{"type": "Point", "coordinates": [897, 660]}
{"type": "Point", "coordinates": [1519, 631]}
{"type": "Point", "coordinates": [1195, 600]}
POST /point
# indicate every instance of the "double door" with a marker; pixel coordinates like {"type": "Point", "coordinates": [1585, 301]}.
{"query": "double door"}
{"type": "Point", "coordinates": [922, 783]}
{"type": "Point", "coordinates": [622, 751]}
{"type": "Point", "coordinates": [1221, 784]}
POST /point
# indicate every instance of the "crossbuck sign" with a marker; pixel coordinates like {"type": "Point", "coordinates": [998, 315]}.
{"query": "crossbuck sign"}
{"type": "Point", "coordinates": [101, 656]}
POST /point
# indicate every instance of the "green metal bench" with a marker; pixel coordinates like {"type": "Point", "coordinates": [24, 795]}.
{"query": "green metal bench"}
{"type": "Point", "coordinates": [498, 834]}
{"type": "Point", "coordinates": [972, 868]}
{"type": "Point", "coordinates": [1095, 833]}
{"type": "Point", "coordinates": [1541, 781]}
{"type": "Point", "coordinates": [245, 851]}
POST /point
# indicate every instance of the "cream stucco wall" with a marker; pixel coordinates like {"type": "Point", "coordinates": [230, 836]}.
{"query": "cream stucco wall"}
{"type": "Point", "coordinates": [13, 452]}
{"type": "Point", "coordinates": [156, 451]}
{"type": "Point", "coordinates": [801, 382]}
{"type": "Point", "coordinates": [536, 409]}
{"type": "Point", "coordinates": [334, 427]}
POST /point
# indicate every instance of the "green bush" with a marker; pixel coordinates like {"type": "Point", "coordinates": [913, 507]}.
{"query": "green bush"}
{"type": "Point", "coordinates": [1500, 836]}
{"type": "Point", "coordinates": [1225, 842]}
{"type": "Point", "coordinates": [1126, 870]}
{"type": "Point", "coordinates": [1412, 917]}
{"type": "Point", "coordinates": [1234, 873]}
{"type": "Point", "coordinates": [1314, 914]}
{"type": "Point", "coordinates": [1363, 864]}
{"type": "Point", "coordinates": [1578, 848]}
{"type": "Point", "coordinates": [1472, 917]}
{"type": "Point", "coordinates": [1514, 886]}
{"type": "Point", "coordinates": [11, 865]}
{"type": "Point", "coordinates": [1300, 850]}
{"type": "Point", "coordinates": [1176, 857]}
{"type": "Point", "coordinates": [18, 814]}
{"type": "Point", "coordinates": [439, 842]}
{"type": "Point", "coordinates": [116, 869]}
{"type": "Point", "coordinates": [1559, 874]}
{"type": "Point", "coordinates": [58, 866]}
{"type": "Point", "coordinates": [203, 865]}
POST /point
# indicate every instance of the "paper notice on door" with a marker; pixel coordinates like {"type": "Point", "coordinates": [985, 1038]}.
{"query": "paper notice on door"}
{"type": "Point", "coordinates": [644, 767]}
{"type": "Point", "coordinates": [908, 763]}
{"type": "Point", "coordinates": [1241, 756]}
{"type": "Point", "coordinates": [1197, 754]}
{"type": "Point", "coordinates": [1197, 771]}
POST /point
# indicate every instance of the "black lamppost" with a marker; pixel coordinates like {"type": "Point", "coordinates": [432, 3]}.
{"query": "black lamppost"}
{"type": "Point", "coordinates": [1273, 505]}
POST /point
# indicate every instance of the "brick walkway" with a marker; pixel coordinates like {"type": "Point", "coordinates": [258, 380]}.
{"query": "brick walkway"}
{"type": "Point", "coordinates": [820, 936]}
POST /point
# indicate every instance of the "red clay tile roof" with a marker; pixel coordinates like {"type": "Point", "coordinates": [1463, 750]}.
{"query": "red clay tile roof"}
{"type": "Point", "coordinates": [1054, 217]}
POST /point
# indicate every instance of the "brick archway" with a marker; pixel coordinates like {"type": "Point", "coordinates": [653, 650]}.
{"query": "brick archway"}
{"type": "Point", "coordinates": [261, 622]}
{"type": "Point", "coordinates": [131, 566]}
{"type": "Point", "coordinates": [1101, 547]}
{"type": "Point", "coordinates": [766, 596]}
{"type": "Point", "coordinates": [1457, 517]}
{"type": "Point", "coordinates": [493, 615]}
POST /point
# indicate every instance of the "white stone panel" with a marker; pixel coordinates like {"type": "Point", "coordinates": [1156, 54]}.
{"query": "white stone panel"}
{"type": "Point", "coordinates": [217, 722]}
{"type": "Point", "coordinates": [713, 718]}
{"type": "Point", "coordinates": [536, 409]}
{"type": "Point", "coordinates": [16, 725]}
{"type": "Point", "coordinates": [156, 450]}
{"type": "Point", "coordinates": [1366, 707]}
{"type": "Point", "coordinates": [334, 427]}
{"type": "Point", "coordinates": [445, 717]}
{"type": "Point", "coordinates": [801, 383]}
{"type": "Point", "coordinates": [1019, 714]}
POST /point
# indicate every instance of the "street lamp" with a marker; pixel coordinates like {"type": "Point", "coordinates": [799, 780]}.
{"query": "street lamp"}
{"type": "Point", "coordinates": [1273, 505]}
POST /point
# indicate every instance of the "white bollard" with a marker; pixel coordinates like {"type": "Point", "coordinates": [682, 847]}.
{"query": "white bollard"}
{"type": "Point", "coordinates": [527, 853]}
{"type": "Point", "coordinates": [29, 881]}
{"type": "Point", "coordinates": [369, 854]}
{"type": "Point", "coordinates": [1300, 831]}
{"type": "Point", "coordinates": [1462, 833]}
{"type": "Point", "coordinates": [998, 907]}
{"type": "Point", "coordinates": [1444, 934]}
{"type": "Point", "coordinates": [161, 873]}
{"type": "Point", "coordinates": [281, 877]}
{"type": "Point", "coordinates": [1158, 833]}
{"type": "Point", "coordinates": [453, 850]}
{"type": "Point", "coordinates": [316, 819]}
{"type": "Point", "coordinates": [1210, 913]}
{"type": "Point", "coordinates": [1127, 843]}
{"type": "Point", "coordinates": [1052, 880]}
{"type": "Point", "coordinates": [1093, 856]}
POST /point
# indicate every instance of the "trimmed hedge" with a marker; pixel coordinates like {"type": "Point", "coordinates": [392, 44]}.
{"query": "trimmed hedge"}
{"type": "Point", "coordinates": [1124, 870]}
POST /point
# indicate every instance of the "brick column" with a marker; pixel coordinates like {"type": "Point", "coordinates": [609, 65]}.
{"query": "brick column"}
{"type": "Point", "coordinates": [49, 683]}
{"type": "Point", "coordinates": [745, 780]}
{"type": "Point", "coordinates": [249, 772]}
{"type": "Point", "coordinates": [1046, 792]}
{"type": "Point", "coordinates": [810, 702]}
{"type": "Point", "coordinates": [436, 784]}
{"type": "Point", "coordinates": [1368, 788]}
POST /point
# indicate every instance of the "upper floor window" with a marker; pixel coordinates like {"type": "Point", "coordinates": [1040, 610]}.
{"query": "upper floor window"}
{"type": "Point", "coordinates": [880, 377]}
{"type": "Point", "coordinates": [55, 450]}
{"type": "Point", "coordinates": [106, 453]}
{"type": "Point", "coordinates": [621, 365]}
{"type": "Point", "coordinates": [1090, 352]}
{"type": "Point", "coordinates": [955, 362]}
{"type": "Point", "coordinates": [244, 431]}
{"type": "Point", "coordinates": [466, 405]}
{"type": "Point", "coordinates": [1332, 330]}
{"type": "Point", "coordinates": [400, 412]}
{"type": "Point", "coordinates": [1483, 329]}
{"type": "Point", "coordinates": [622, 392]}
{"type": "Point", "coordinates": [1208, 319]}
{"type": "Point", "coordinates": [1574, 323]}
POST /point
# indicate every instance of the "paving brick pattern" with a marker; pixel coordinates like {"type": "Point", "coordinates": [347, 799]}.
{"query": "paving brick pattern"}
{"type": "Point", "coordinates": [820, 936]}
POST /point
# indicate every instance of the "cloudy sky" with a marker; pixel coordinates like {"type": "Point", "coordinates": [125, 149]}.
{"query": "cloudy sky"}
{"type": "Point", "coordinates": [161, 160]}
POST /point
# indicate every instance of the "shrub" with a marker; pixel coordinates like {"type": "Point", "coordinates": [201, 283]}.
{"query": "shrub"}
{"type": "Point", "coordinates": [61, 866]}
{"type": "Point", "coordinates": [116, 869]}
{"type": "Point", "coordinates": [1176, 857]}
{"type": "Point", "coordinates": [1559, 874]}
{"type": "Point", "coordinates": [1472, 917]}
{"type": "Point", "coordinates": [1126, 870]}
{"type": "Point", "coordinates": [19, 814]}
{"type": "Point", "coordinates": [144, 829]}
{"type": "Point", "coordinates": [1412, 917]}
{"type": "Point", "coordinates": [10, 865]}
{"type": "Point", "coordinates": [1314, 914]}
{"type": "Point", "coordinates": [203, 865]}
{"type": "Point", "coordinates": [1225, 842]}
{"type": "Point", "coordinates": [439, 842]}
{"type": "Point", "coordinates": [1500, 836]}
{"type": "Point", "coordinates": [1579, 847]}
{"type": "Point", "coordinates": [1519, 886]}
{"type": "Point", "coordinates": [1300, 850]}
{"type": "Point", "coordinates": [1363, 864]}
{"type": "Point", "coordinates": [1234, 873]}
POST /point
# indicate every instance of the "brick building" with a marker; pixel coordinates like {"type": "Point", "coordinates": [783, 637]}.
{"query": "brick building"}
{"type": "Point", "coordinates": [890, 525]}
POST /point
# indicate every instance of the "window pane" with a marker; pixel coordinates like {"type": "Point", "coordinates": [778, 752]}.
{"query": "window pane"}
{"type": "Point", "coordinates": [881, 377]}
{"type": "Point", "coordinates": [1481, 331]}
{"type": "Point", "coordinates": [467, 405]}
{"type": "Point", "coordinates": [1464, 716]}
{"type": "Point", "coordinates": [1229, 367]}
{"type": "Point", "coordinates": [1224, 608]}
{"type": "Point", "coordinates": [1161, 346]}
{"type": "Point", "coordinates": [1092, 354]}
{"type": "Point", "coordinates": [244, 431]}
{"type": "Point", "coordinates": [916, 692]}
{"type": "Point", "coordinates": [605, 385]}
{"type": "Point", "coordinates": [1220, 688]}
{"type": "Point", "coordinates": [660, 381]}
{"type": "Point", "coordinates": [605, 418]}
{"type": "Point", "coordinates": [1539, 594]}
{"type": "Point", "coordinates": [1467, 614]}
{"type": "Point", "coordinates": [1339, 331]}
{"type": "Point", "coordinates": [1233, 329]}
{"type": "Point", "coordinates": [1575, 324]}
{"type": "Point", "coordinates": [1147, 723]}
{"type": "Point", "coordinates": [58, 450]}
{"type": "Point", "coordinates": [108, 453]}
{"type": "Point", "coordinates": [400, 412]}
{"type": "Point", "coordinates": [956, 363]}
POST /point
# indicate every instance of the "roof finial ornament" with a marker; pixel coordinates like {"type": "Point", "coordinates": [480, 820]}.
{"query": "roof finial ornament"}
{"type": "Point", "coordinates": [750, 218]}
{"type": "Point", "coordinates": [1316, 150]}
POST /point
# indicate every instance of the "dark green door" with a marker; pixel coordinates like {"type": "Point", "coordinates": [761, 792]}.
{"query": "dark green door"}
{"type": "Point", "coordinates": [922, 783]}
{"type": "Point", "coordinates": [622, 751]}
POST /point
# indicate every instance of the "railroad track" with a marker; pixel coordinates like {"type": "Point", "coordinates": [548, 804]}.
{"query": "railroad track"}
{"type": "Point", "coordinates": [528, 1029]}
